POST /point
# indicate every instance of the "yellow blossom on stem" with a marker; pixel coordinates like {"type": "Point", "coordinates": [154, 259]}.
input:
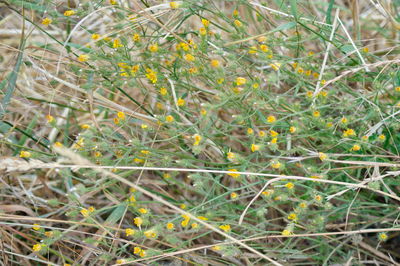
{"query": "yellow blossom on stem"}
{"type": "Point", "coordinates": [234, 175]}
{"type": "Point", "coordinates": [237, 23]}
{"type": "Point", "coordinates": [316, 114]}
{"type": "Point", "coordinates": [349, 132]}
{"type": "Point", "coordinates": [121, 115]}
{"type": "Point", "coordinates": [85, 212]}
{"type": "Point", "coordinates": [240, 81]}
{"type": "Point", "coordinates": [225, 227]}
{"type": "Point", "coordinates": [189, 57]}
{"type": "Point", "coordinates": [271, 119]}
{"type": "Point", "coordinates": [173, 5]}
{"type": "Point", "coordinates": [289, 185]}
{"type": "Point", "coordinates": [355, 147]}
{"type": "Point", "coordinates": [255, 147]}
{"type": "Point", "coordinates": [169, 118]}
{"type": "Point", "coordinates": [153, 48]}
{"type": "Point", "coordinates": [150, 233]}
{"type": "Point", "coordinates": [273, 133]}
{"type": "Point", "coordinates": [180, 102]}
{"type": "Point", "coordinates": [215, 63]}
{"type": "Point", "coordinates": [143, 210]}
{"type": "Point", "coordinates": [250, 131]}
{"type": "Point", "coordinates": [170, 226]}
{"type": "Point", "coordinates": [381, 137]}
{"type": "Point", "coordinates": [95, 36]}
{"type": "Point", "coordinates": [275, 164]}
{"type": "Point", "coordinates": [136, 250]}
{"type": "Point", "coordinates": [24, 154]}
{"type": "Point", "coordinates": [46, 21]}
{"type": "Point", "coordinates": [382, 236]}
{"type": "Point", "coordinates": [292, 216]}
{"type": "Point", "coordinates": [37, 247]}
{"type": "Point", "coordinates": [138, 221]}
{"type": "Point", "coordinates": [36, 227]}
{"type": "Point", "coordinates": [322, 156]}
{"type": "Point", "coordinates": [234, 195]}
{"type": "Point", "coordinates": [129, 231]}
{"type": "Point", "coordinates": [197, 139]}
{"type": "Point", "coordinates": [83, 58]}
{"type": "Point", "coordinates": [292, 129]}
{"type": "Point", "coordinates": [286, 233]}
{"type": "Point", "coordinates": [69, 13]}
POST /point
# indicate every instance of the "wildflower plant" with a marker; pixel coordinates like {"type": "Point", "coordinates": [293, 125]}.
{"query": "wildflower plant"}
{"type": "Point", "coordinates": [255, 121]}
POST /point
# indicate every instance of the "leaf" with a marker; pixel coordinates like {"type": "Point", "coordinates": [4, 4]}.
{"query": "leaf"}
{"type": "Point", "coordinates": [293, 8]}
{"type": "Point", "coordinates": [116, 215]}
{"type": "Point", "coordinates": [329, 12]}
{"type": "Point", "coordinates": [284, 27]}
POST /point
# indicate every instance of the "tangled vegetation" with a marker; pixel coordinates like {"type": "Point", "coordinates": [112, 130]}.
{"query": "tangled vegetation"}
{"type": "Point", "coordinates": [200, 132]}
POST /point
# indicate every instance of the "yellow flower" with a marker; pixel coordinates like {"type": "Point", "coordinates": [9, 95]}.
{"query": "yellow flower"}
{"type": "Point", "coordinates": [271, 119]}
{"type": "Point", "coordinates": [274, 140]}
{"type": "Point", "coordinates": [250, 131]}
{"type": "Point", "coordinates": [136, 37]}
{"type": "Point", "coordinates": [85, 212]}
{"type": "Point", "coordinates": [170, 226]}
{"type": "Point", "coordinates": [261, 134]}
{"type": "Point", "coordinates": [85, 126]}
{"type": "Point", "coordinates": [151, 75]}
{"type": "Point", "coordinates": [215, 63]}
{"type": "Point", "coordinates": [95, 36]}
{"type": "Point", "coordinates": [113, 2]}
{"type": "Point", "coordinates": [185, 222]}
{"type": "Point", "coordinates": [309, 94]}
{"type": "Point", "coordinates": [318, 198]}
{"type": "Point", "coordinates": [381, 137]}
{"type": "Point", "coordinates": [205, 22]}
{"type": "Point", "coordinates": [180, 102]}
{"type": "Point", "coordinates": [234, 175]}
{"type": "Point", "coordinates": [216, 248]}
{"type": "Point", "coordinates": [169, 118]}
{"type": "Point", "coordinates": [138, 221]}
{"type": "Point", "coordinates": [153, 48]}
{"type": "Point", "coordinates": [47, 21]}
{"type": "Point", "coordinates": [189, 57]}
{"type": "Point", "coordinates": [174, 5]}
{"type": "Point", "coordinates": [163, 91]}
{"type": "Point", "coordinates": [194, 225]}
{"type": "Point", "coordinates": [355, 147]}
{"type": "Point", "coordinates": [58, 144]}
{"type": "Point", "coordinates": [344, 120]}
{"type": "Point", "coordinates": [303, 205]}
{"type": "Point", "coordinates": [231, 156]}
{"type": "Point", "coordinates": [121, 115]}
{"type": "Point", "coordinates": [349, 132]}
{"type": "Point", "coordinates": [83, 58]}
{"type": "Point", "coordinates": [329, 124]}
{"type": "Point", "coordinates": [203, 112]}
{"type": "Point", "coordinates": [316, 114]}
{"type": "Point", "coordinates": [49, 233]}
{"type": "Point", "coordinates": [197, 139]}
{"type": "Point", "coordinates": [382, 236]}
{"type": "Point", "coordinates": [142, 253]}
{"type": "Point", "coordinates": [120, 261]}
{"type": "Point", "coordinates": [253, 50]}
{"type": "Point", "coordinates": [240, 81]}
{"type": "Point", "coordinates": [397, 89]}
{"type": "Point", "coordinates": [292, 129]}
{"type": "Point", "coordinates": [268, 192]}
{"type": "Point", "coordinates": [69, 13]}
{"type": "Point", "coordinates": [143, 210]}
{"type": "Point", "coordinates": [129, 231]}
{"type": "Point", "coordinates": [275, 164]}
{"type": "Point", "coordinates": [182, 206]}
{"type": "Point", "coordinates": [166, 175]}
{"type": "Point", "coordinates": [275, 66]}
{"type": "Point", "coordinates": [136, 250]}
{"type": "Point", "coordinates": [322, 156]}
{"type": "Point", "coordinates": [37, 247]}
{"type": "Point", "coordinates": [264, 48]}
{"type": "Point", "coordinates": [24, 154]}
{"type": "Point", "coordinates": [150, 234]}
{"type": "Point", "coordinates": [237, 23]}
{"type": "Point", "coordinates": [202, 31]}
{"type": "Point", "coordinates": [36, 227]}
{"type": "Point", "coordinates": [286, 233]}
{"type": "Point", "coordinates": [289, 185]}
{"type": "Point", "coordinates": [273, 133]}
{"type": "Point", "coordinates": [292, 216]}
{"type": "Point", "coordinates": [234, 195]}
{"type": "Point", "coordinates": [364, 138]}
{"type": "Point", "coordinates": [255, 147]}
{"type": "Point", "coordinates": [225, 227]}
{"type": "Point", "coordinates": [202, 218]}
